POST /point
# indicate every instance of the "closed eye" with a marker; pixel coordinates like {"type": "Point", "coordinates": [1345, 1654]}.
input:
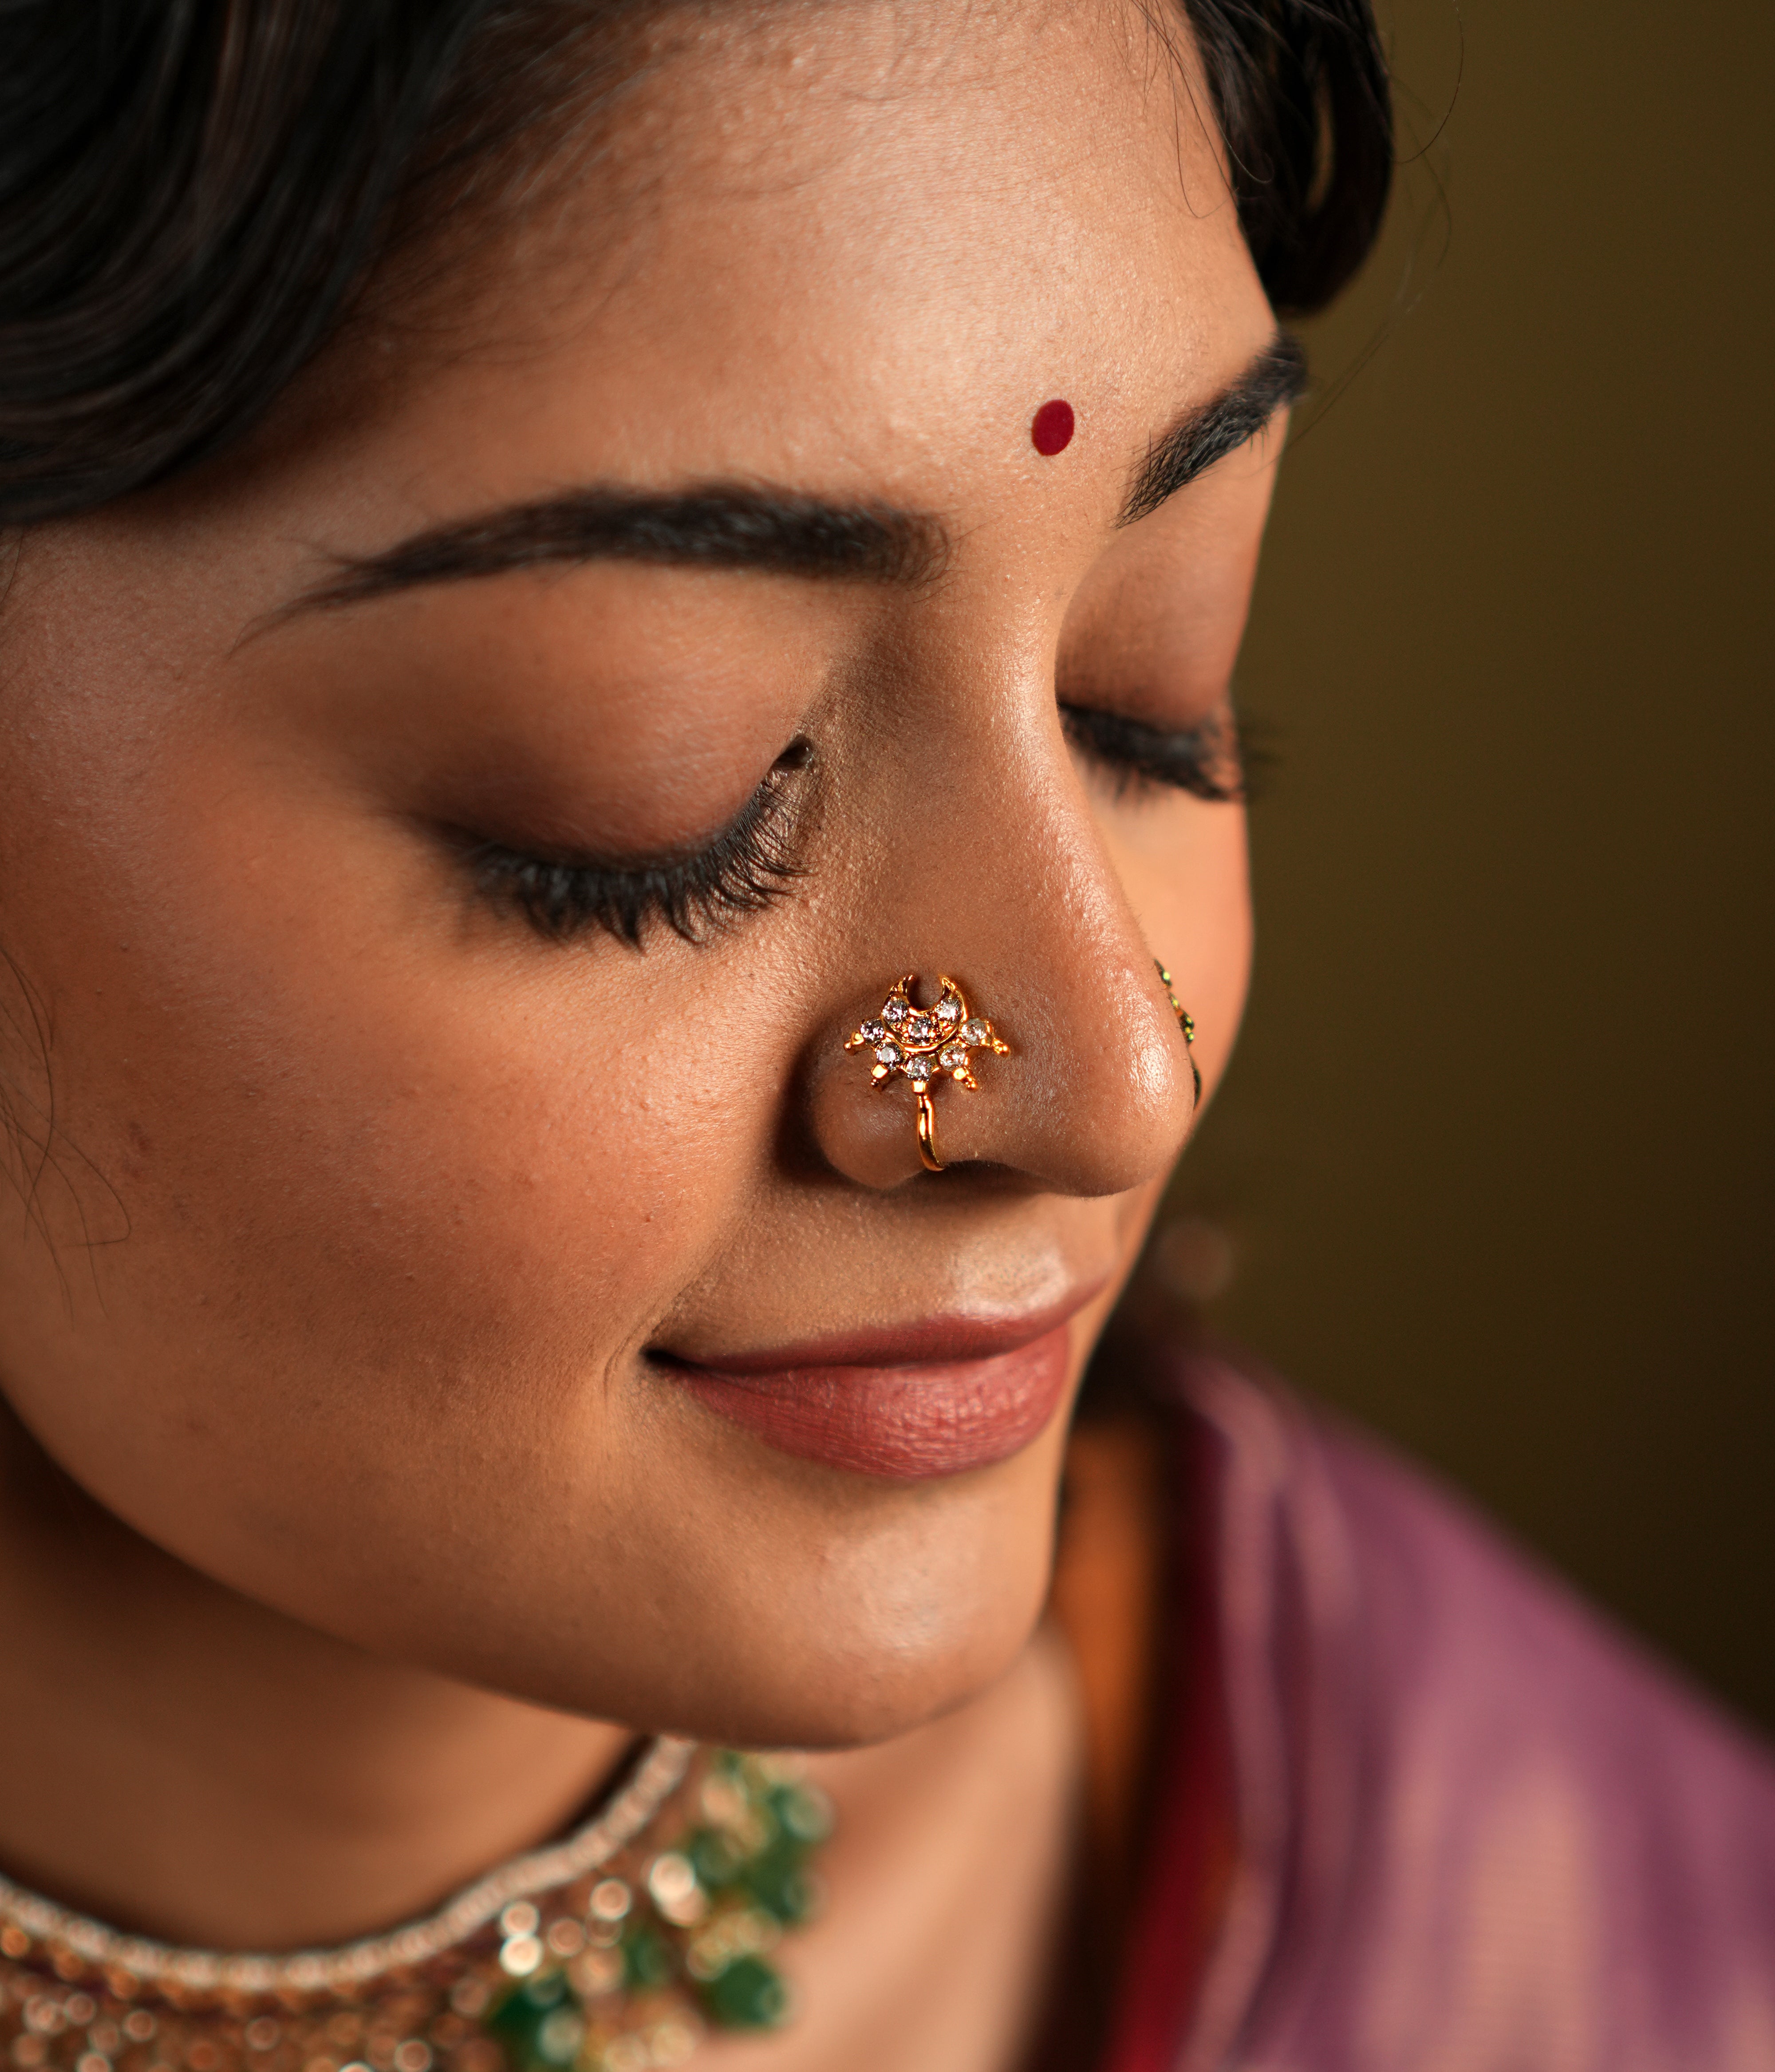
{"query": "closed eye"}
{"type": "Point", "coordinates": [1206, 760]}
{"type": "Point", "coordinates": [695, 894]}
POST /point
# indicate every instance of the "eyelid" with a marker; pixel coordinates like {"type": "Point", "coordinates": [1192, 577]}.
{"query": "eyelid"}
{"type": "Point", "coordinates": [740, 870]}
{"type": "Point", "coordinates": [1206, 760]}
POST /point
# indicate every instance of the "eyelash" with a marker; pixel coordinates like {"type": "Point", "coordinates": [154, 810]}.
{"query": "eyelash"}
{"type": "Point", "coordinates": [750, 863]}
{"type": "Point", "coordinates": [1209, 761]}
{"type": "Point", "coordinates": [746, 866]}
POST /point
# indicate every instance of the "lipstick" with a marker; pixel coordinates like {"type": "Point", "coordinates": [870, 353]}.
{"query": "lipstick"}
{"type": "Point", "coordinates": [935, 1398]}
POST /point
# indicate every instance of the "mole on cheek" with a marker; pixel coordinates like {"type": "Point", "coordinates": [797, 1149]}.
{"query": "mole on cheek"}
{"type": "Point", "coordinates": [1051, 428]}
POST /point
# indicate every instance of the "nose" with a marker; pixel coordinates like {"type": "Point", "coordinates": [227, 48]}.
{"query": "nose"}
{"type": "Point", "coordinates": [1095, 1091]}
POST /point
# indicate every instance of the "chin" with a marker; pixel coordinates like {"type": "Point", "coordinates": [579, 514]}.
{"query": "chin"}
{"type": "Point", "coordinates": [870, 1685]}
{"type": "Point", "coordinates": [858, 1689]}
{"type": "Point", "coordinates": [827, 1645]}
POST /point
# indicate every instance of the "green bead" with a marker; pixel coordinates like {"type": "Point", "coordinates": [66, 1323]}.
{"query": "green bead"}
{"type": "Point", "coordinates": [539, 2023]}
{"type": "Point", "coordinates": [777, 1883]}
{"type": "Point", "coordinates": [747, 1994]}
{"type": "Point", "coordinates": [646, 1962]}
{"type": "Point", "coordinates": [800, 1814]}
{"type": "Point", "coordinates": [713, 1857]}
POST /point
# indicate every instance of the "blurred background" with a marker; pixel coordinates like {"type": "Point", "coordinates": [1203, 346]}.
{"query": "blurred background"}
{"type": "Point", "coordinates": [1493, 1169]}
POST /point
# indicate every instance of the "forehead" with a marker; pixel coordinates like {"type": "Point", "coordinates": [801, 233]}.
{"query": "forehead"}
{"type": "Point", "coordinates": [858, 244]}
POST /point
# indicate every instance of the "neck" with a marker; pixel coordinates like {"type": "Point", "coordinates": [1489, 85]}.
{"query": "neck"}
{"type": "Point", "coordinates": [198, 1768]}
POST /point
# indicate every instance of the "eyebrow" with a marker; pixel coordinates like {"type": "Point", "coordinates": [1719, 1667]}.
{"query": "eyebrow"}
{"type": "Point", "coordinates": [721, 526]}
{"type": "Point", "coordinates": [739, 525]}
{"type": "Point", "coordinates": [1218, 427]}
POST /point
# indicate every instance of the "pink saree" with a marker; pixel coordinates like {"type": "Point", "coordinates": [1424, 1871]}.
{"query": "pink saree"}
{"type": "Point", "coordinates": [1473, 1830]}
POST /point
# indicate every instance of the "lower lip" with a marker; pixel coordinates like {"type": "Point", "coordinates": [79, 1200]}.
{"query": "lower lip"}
{"type": "Point", "coordinates": [902, 1424]}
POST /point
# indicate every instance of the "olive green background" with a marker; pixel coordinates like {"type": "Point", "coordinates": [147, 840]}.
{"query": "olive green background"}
{"type": "Point", "coordinates": [1493, 1162]}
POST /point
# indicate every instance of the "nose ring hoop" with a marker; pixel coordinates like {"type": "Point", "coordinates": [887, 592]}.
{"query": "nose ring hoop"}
{"type": "Point", "coordinates": [922, 1045]}
{"type": "Point", "coordinates": [927, 1134]}
{"type": "Point", "coordinates": [1186, 1022]}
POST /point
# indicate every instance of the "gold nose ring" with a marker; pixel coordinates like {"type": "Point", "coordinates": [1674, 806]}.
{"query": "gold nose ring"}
{"type": "Point", "coordinates": [922, 1045]}
{"type": "Point", "coordinates": [1186, 1022]}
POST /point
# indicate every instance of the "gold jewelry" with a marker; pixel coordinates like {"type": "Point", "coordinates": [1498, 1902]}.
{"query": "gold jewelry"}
{"type": "Point", "coordinates": [606, 1952]}
{"type": "Point", "coordinates": [922, 1044]}
{"type": "Point", "coordinates": [1186, 1021]}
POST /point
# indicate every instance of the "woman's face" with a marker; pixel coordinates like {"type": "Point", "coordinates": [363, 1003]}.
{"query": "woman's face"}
{"type": "Point", "coordinates": [422, 1273]}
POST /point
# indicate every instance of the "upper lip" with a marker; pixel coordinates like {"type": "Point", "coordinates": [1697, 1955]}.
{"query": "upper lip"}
{"type": "Point", "coordinates": [939, 1340]}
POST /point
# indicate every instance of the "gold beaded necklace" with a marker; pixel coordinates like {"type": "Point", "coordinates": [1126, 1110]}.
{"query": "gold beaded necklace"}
{"type": "Point", "coordinates": [609, 1951]}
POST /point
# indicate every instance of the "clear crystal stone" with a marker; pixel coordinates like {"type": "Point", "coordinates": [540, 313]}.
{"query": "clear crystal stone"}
{"type": "Point", "coordinates": [952, 1058]}
{"type": "Point", "coordinates": [872, 1032]}
{"type": "Point", "coordinates": [921, 1029]}
{"type": "Point", "coordinates": [948, 1010]}
{"type": "Point", "coordinates": [919, 1069]}
{"type": "Point", "coordinates": [976, 1032]}
{"type": "Point", "coordinates": [895, 1012]}
{"type": "Point", "coordinates": [889, 1053]}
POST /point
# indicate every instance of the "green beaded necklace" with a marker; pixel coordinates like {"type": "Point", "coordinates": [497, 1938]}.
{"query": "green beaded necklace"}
{"type": "Point", "coordinates": [691, 1937]}
{"type": "Point", "coordinates": [611, 1950]}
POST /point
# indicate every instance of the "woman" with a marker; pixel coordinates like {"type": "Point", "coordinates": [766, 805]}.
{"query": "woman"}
{"type": "Point", "coordinates": [622, 877]}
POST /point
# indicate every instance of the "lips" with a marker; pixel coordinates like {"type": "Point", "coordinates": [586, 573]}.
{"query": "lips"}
{"type": "Point", "coordinates": [938, 1398]}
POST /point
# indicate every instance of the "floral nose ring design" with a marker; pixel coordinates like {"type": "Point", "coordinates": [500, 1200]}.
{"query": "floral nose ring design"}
{"type": "Point", "coordinates": [923, 1045]}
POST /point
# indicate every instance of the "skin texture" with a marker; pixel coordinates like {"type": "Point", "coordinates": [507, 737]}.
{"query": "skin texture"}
{"type": "Point", "coordinates": [347, 1513]}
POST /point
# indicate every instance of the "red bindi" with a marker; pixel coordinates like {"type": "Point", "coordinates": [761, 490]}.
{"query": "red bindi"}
{"type": "Point", "coordinates": [1051, 428]}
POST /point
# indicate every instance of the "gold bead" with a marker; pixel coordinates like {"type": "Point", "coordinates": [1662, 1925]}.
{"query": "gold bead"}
{"type": "Point", "coordinates": [519, 1957]}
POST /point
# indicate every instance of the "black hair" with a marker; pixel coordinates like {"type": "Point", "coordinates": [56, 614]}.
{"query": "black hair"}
{"type": "Point", "coordinates": [193, 192]}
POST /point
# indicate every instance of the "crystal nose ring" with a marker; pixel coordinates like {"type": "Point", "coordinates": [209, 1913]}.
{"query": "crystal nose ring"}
{"type": "Point", "coordinates": [922, 1045]}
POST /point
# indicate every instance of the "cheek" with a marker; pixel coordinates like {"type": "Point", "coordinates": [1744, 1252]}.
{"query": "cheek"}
{"type": "Point", "coordinates": [409, 1173]}
{"type": "Point", "coordinates": [459, 1179]}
